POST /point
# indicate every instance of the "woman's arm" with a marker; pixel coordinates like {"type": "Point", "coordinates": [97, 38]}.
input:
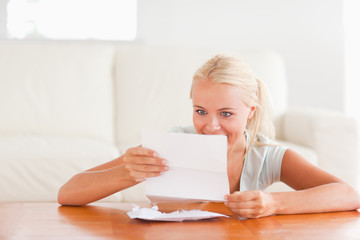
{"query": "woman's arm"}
{"type": "Point", "coordinates": [128, 170]}
{"type": "Point", "coordinates": [317, 191]}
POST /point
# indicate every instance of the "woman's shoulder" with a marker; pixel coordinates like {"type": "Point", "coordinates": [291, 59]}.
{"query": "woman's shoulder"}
{"type": "Point", "coordinates": [262, 140]}
{"type": "Point", "coordinates": [183, 129]}
{"type": "Point", "coordinates": [264, 145]}
{"type": "Point", "coordinates": [268, 147]}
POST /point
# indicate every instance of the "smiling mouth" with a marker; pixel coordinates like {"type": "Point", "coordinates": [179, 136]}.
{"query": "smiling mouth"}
{"type": "Point", "coordinates": [215, 134]}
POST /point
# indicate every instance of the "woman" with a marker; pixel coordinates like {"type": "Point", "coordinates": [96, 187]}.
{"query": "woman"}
{"type": "Point", "coordinates": [229, 100]}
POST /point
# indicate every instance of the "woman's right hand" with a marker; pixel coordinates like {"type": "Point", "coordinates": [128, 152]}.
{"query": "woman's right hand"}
{"type": "Point", "coordinates": [142, 163]}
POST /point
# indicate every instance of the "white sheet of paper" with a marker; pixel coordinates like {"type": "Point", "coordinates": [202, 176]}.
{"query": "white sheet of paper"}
{"type": "Point", "coordinates": [178, 216]}
{"type": "Point", "coordinates": [198, 167]}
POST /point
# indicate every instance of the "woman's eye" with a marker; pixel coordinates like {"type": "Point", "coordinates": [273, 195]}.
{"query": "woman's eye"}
{"type": "Point", "coordinates": [201, 112]}
{"type": "Point", "coordinates": [226, 114]}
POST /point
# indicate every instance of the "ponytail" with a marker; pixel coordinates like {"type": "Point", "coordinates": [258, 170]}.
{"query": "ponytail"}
{"type": "Point", "coordinates": [261, 122]}
{"type": "Point", "coordinates": [264, 118]}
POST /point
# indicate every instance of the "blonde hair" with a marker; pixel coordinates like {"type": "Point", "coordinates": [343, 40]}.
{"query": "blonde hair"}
{"type": "Point", "coordinates": [231, 70]}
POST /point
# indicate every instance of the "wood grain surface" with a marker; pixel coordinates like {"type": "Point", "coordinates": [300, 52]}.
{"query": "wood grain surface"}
{"type": "Point", "coordinates": [110, 221]}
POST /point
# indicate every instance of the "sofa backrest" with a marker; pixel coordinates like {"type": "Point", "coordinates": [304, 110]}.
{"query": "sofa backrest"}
{"type": "Point", "coordinates": [82, 100]}
{"type": "Point", "coordinates": [57, 90]}
{"type": "Point", "coordinates": [68, 89]}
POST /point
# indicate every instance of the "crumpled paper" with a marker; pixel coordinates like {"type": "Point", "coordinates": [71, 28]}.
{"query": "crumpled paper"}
{"type": "Point", "coordinates": [153, 214]}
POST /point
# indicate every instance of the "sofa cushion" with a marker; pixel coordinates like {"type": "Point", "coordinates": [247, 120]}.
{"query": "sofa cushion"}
{"type": "Point", "coordinates": [56, 90]}
{"type": "Point", "coordinates": [33, 168]}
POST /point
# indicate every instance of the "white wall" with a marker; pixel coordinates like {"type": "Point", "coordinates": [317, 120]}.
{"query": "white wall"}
{"type": "Point", "coordinates": [3, 5]}
{"type": "Point", "coordinates": [308, 33]}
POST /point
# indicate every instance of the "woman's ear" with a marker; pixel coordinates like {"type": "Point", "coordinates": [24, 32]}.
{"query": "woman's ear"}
{"type": "Point", "coordinates": [251, 112]}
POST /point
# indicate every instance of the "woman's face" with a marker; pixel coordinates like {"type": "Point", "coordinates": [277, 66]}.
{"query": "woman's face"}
{"type": "Point", "coordinates": [220, 110]}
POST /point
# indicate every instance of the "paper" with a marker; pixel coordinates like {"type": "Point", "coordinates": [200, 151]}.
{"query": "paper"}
{"type": "Point", "coordinates": [197, 167]}
{"type": "Point", "coordinates": [178, 216]}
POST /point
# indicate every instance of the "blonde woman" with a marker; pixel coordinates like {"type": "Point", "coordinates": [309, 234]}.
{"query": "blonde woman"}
{"type": "Point", "coordinates": [229, 100]}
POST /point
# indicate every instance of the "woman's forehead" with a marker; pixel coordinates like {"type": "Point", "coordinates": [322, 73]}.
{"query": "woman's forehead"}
{"type": "Point", "coordinates": [206, 87]}
{"type": "Point", "coordinates": [218, 95]}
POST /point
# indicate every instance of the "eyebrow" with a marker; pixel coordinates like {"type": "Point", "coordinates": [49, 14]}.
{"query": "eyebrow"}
{"type": "Point", "coordinates": [197, 106]}
{"type": "Point", "coordinates": [221, 109]}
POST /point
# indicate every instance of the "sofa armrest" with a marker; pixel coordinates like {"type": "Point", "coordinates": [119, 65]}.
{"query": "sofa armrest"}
{"type": "Point", "coordinates": [331, 134]}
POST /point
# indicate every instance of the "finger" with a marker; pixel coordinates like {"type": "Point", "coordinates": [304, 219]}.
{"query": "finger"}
{"type": "Point", "coordinates": [140, 176]}
{"type": "Point", "coordinates": [150, 161]}
{"type": "Point", "coordinates": [245, 213]}
{"type": "Point", "coordinates": [242, 196]}
{"type": "Point", "coordinates": [241, 204]}
{"type": "Point", "coordinates": [145, 160]}
{"type": "Point", "coordinates": [149, 168]}
{"type": "Point", "coordinates": [142, 152]}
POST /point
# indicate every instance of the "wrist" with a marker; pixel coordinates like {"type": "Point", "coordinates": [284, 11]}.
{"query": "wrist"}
{"type": "Point", "coordinates": [278, 204]}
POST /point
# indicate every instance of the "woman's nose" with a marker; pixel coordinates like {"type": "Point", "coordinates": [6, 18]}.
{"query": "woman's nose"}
{"type": "Point", "coordinates": [213, 125]}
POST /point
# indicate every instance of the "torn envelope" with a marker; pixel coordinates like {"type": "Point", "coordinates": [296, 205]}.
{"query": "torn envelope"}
{"type": "Point", "coordinates": [178, 216]}
{"type": "Point", "coordinates": [197, 167]}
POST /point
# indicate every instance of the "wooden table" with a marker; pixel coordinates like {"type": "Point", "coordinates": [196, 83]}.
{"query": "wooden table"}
{"type": "Point", "coordinates": [109, 221]}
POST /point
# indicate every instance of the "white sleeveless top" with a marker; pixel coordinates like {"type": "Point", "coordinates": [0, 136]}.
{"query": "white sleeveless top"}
{"type": "Point", "coordinates": [262, 165]}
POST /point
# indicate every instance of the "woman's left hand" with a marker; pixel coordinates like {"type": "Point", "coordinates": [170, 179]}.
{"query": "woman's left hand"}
{"type": "Point", "coordinates": [251, 204]}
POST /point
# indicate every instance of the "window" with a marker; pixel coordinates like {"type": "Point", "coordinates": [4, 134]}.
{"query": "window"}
{"type": "Point", "coordinates": [72, 19]}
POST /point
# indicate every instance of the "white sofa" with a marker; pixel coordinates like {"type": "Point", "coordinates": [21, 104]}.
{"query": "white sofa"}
{"type": "Point", "coordinates": [66, 107]}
